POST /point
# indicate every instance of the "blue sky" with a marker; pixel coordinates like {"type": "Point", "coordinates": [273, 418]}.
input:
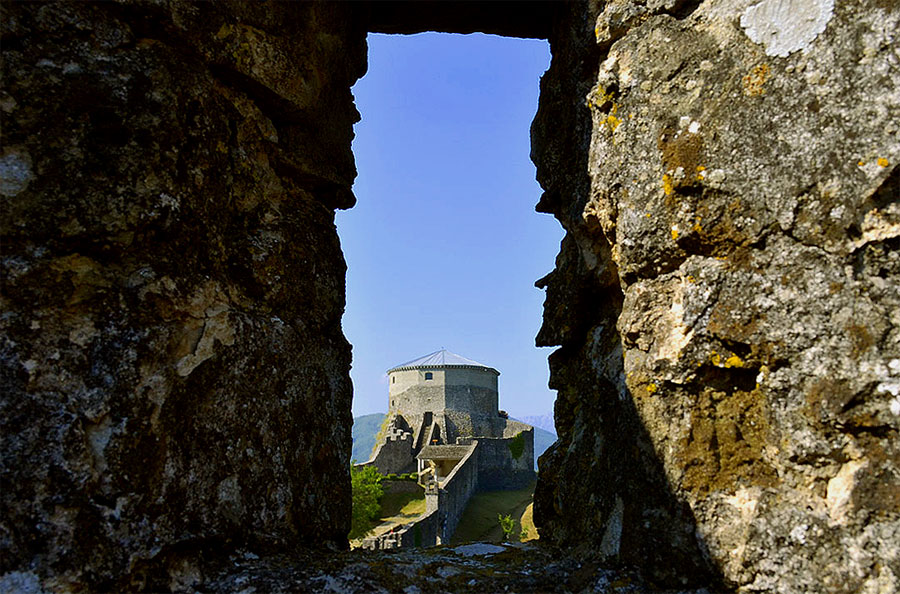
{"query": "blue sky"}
{"type": "Point", "coordinates": [443, 246]}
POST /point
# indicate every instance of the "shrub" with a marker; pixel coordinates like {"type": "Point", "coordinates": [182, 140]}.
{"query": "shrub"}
{"type": "Point", "coordinates": [367, 491]}
{"type": "Point", "coordinates": [508, 525]}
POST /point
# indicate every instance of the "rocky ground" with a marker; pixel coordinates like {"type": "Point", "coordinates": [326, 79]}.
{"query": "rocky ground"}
{"type": "Point", "coordinates": [476, 567]}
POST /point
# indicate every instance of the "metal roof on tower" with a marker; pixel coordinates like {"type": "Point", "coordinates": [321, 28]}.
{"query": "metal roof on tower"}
{"type": "Point", "coordinates": [441, 358]}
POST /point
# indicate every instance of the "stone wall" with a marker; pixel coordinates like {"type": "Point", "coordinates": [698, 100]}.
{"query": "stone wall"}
{"type": "Point", "coordinates": [444, 506]}
{"type": "Point", "coordinates": [394, 454]}
{"type": "Point", "coordinates": [499, 469]}
{"type": "Point", "coordinates": [175, 382]}
{"type": "Point", "coordinates": [452, 496]}
{"type": "Point", "coordinates": [174, 376]}
{"type": "Point", "coordinates": [726, 296]}
{"type": "Point", "coordinates": [471, 395]}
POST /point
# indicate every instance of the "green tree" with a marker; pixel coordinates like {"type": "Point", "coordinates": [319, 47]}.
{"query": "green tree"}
{"type": "Point", "coordinates": [367, 491]}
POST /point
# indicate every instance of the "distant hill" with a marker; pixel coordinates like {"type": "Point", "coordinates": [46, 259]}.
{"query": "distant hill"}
{"type": "Point", "coordinates": [542, 440]}
{"type": "Point", "coordinates": [364, 430]}
{"type": "Point", "coordinates": [366, 426]}
{"type": "Point", "coordinates": [545, 422]}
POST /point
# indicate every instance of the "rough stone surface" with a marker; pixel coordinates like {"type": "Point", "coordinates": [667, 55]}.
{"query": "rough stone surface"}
{"type": "Point", "coordinates": [175, 383]}
{"type": "Point", "coordinates": [476, 567]}
{"type": "Point", "coordinates": [175, 380]}
{"type": "Point", "coordinates": [727, 296]}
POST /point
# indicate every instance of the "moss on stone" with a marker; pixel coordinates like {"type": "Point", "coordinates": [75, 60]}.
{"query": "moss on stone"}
{"type": "Point", "coordinates": [517, 445]}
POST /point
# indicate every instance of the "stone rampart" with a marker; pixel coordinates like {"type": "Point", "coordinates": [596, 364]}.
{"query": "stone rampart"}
{"type": "Point", "coordinates": [476, 400]}
{"type": "Point", "coordinates": [462, 424]}
{"type": "Point", "coordinates": [394, 455]}
{"type": "Point", "coordinates": [499, 468]}
{"type": "Point", "coordinates": [453, 494]}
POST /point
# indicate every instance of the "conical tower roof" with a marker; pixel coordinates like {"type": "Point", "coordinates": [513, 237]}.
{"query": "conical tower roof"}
{"type": "Point", "coordinates": [440, 359]}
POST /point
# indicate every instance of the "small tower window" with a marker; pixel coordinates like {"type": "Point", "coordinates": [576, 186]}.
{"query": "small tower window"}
{"type": "Point", "coordinates": [429, 375]}
{"type": "Point", "coordinates": [394, 380]}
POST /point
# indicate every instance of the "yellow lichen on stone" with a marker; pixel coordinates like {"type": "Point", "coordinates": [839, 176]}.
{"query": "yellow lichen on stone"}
{"type": "Point", "coordinates": [700, 174]}
{"type": "Point", "coordinates": [734, 361]}
{"type": "Point", "coordinates": [882, 162]}
{"type": "Point", "coordinates": [755, 79]}
{"type": "Point", "coordinates": [714, 358]}
{"type": "Point", "coordinates": [674, 233]}
{"type": "Point", "coordinates": [668, 186]}
{"type": "Point", "coordinates": [613, 122]}
{"type": "Point", "coordinates": [651, 388]}
{"type": "Point", "coordinates": [599, 98]}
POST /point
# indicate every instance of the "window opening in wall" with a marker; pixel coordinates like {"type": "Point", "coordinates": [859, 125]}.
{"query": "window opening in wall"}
{"type": "Point", "coordinates": [445, 184]}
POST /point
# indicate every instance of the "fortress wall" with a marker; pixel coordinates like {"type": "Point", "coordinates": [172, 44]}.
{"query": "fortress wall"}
{"type": "Point", "coordinates": [401, 486]}
{"type": "Point", "coordinates": [460, 389]}
{"type": "Point", "coordinates": [400, 381]}
{"type": "Point", "coordinates": [454, 493]}
{"type": "Point", "coordinates": [511, 427]}
{"type": "Point", "coordinates": [174, 377]}
{"type": "Point", "coordinates": [480, 377]}
{"type": "Point", "coordinates": [393, 455]}
{"type": "Point", "coordinates": [411, 395]}
{"type": "Point", "coordinates": [497, 467]}
{"type": "Point", "coordinates": [725, 299]}
{"type": "Point", "coordinates": [473, 399]}
{"type": "Point", "coordinates": [461, 424]}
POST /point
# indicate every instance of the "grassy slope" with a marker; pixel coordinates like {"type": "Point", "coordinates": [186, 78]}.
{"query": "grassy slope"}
{"type": "Point", "coordinates": [479, 520]}
{"type": "Point", "coordinates": [396, 508]}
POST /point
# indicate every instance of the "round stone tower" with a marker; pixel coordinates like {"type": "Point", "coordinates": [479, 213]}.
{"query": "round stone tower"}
{"type": "Point", "coordinates": [443, 396]}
